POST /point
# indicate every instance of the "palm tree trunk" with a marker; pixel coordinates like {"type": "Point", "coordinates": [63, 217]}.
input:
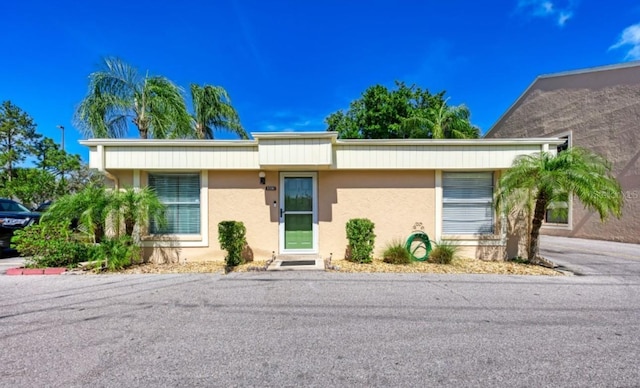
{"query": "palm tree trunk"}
{"type": "Point", "coordinates": [538, 216]}
{"type": "Point", "coordinates": [98, 234]}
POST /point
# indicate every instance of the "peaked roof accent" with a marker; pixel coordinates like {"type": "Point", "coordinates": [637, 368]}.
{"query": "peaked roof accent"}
{"type": "Point", "coordinates": [542, 77]}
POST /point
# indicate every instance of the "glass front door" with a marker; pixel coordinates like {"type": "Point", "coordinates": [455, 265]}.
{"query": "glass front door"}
{"type": "Point", "coordinates": [297, 212]}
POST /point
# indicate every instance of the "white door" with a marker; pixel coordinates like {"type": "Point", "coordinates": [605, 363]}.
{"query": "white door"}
{"type": "Point", "coordinates": [298, 212]}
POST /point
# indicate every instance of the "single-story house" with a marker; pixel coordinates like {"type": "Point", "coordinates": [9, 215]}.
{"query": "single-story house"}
{"type": "Point", "coordinates": [598, 109]}
{"type": "Point", "coordinates": [295, 192]}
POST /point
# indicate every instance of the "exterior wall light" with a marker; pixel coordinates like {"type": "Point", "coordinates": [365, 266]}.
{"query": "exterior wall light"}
{"type": "Point", "coordinates": [262, 176]}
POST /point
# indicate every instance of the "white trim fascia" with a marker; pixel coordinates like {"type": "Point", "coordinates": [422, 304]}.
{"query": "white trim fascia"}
{"type": "Point", "coordinates": [136, 179]}
{"type": "Point", "coordinates": [204, 207]}
{"type": "Point", "coordinates": [438, 207]}
{"type": "Point", "coordinates": [100, 152]}
{"type": "Point", "coordinates": [167, 143]}
{"type": "Point", "coordinates": [295, 135]}
{"type": "Point", "coordinates": [454, 142]}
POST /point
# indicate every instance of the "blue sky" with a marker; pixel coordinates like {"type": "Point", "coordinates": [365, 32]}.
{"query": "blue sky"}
{"type": "Point", "coordinates": [289, 64]}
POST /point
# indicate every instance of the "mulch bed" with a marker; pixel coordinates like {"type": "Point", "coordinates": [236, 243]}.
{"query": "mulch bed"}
{"type": "Point", "coordinates": [458, 266]}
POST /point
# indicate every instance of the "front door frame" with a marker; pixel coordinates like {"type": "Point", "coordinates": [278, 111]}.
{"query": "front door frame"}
{"type": "Point", "coordinates": [314, 225]}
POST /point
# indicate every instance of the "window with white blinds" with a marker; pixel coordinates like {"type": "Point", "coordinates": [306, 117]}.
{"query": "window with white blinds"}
{"type": "Point", "coordinates": [467, 206]}
{"type": "Point", "coordinates": [181, 194]}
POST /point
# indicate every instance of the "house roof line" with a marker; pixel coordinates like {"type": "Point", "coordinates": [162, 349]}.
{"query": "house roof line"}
{"type": "Point", "coordinates": [561, 74]}
{"type": "Point", "coordinates": [167, 142]}
{"type": "Point", "coordinates": [340, 142]}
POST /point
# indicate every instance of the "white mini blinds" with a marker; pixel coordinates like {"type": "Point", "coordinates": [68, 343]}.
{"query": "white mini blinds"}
{"type": "Point", "coordinates": [467, 206]}
{"type": "Point", "coordinates": [181, 194]}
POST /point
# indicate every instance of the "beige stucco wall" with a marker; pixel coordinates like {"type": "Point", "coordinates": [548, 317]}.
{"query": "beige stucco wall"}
{"type": "Point", "coordinates": [239, 196]}
{"type": "Point", "coordinates": [601, 111]}
{"type": "Point", "coordinates": [393, 200]}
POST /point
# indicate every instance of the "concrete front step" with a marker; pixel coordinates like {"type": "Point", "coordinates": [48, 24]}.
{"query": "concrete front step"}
{"type": "Point", "coordinates": [297, 263]}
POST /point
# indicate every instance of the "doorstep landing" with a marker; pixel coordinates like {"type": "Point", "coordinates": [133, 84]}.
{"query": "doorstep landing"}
{"type": "Point", "coordinates": [297, 263]}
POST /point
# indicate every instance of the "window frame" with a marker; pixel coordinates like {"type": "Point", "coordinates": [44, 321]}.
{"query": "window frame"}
{"type": "Point", "coordinates": [183, 240]}
{"type": "Point", "coordinates": [484, 203]}
{"type": "Point", "coordinates": [569, 203]}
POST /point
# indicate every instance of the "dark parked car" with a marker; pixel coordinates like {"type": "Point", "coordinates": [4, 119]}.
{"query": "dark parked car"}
{"type": "Point", "coordinates": [13, 216]}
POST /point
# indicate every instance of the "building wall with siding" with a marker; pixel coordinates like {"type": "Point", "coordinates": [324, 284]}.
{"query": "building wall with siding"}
{"type": "Point", "coordinates": [600, 109]}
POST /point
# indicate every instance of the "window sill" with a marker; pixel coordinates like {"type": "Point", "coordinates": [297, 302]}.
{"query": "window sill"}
{"type": "Point", "coordinates": [174, 240]}
{"type": "Point", "coordinates": [475, 239]}
{"type": "Point", "coordinates": [556, 226]}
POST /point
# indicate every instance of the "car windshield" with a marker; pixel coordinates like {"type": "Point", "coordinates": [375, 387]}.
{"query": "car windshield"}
{"type": "Point", "coordinates": [10, 206]}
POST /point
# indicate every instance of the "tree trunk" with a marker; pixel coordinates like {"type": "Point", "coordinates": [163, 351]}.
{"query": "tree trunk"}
{"type": "Point", "coordinates": [98, 234]}
{"type": "Point", "coordinates": [10, 164]}
{"type": "Point", "coordinates": [538, 216]}
{"type": "Point", "coordinates": [199, 131]}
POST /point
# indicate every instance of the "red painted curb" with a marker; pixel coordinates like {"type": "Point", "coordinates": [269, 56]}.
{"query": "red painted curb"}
{"type": "Point", "coordinates": [33, 271]}
{"type": "Point", "coordinates": [14, 271]}
{"type": "Point", "coordinates": [36, 271]}
{"type": "Point", "coordinates": [54, 271]}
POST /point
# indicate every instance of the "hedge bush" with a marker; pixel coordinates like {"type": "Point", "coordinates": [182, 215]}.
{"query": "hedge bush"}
{"type": "Point", "coordinates": [49, 245]}
{"type": "Point", "coordinates": [361, 240]}
{"type": "Point", "coordinates": [232, 238]}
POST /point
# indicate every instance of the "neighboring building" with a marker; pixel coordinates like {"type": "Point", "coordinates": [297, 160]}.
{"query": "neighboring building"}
{"type": "Point", "coordinates": [598, 109]}
{"type": "Point", "coordinates": [295, 192]}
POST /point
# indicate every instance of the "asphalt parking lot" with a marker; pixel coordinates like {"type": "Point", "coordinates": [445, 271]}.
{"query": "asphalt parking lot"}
{"type": "Point", "coordinates": [320, 329]}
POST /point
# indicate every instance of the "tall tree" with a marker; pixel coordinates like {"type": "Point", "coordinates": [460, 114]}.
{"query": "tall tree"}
{"type": "Point", "coordinates": [550, 178]}
{"type": "Point", "coordinates": [213, 110]}
{"type": "Point", "coordinates": [404, 112]}
{"type": "Point", "coordinates": [117, 94]}
{"type": "Point", "coordinates": [50, 157]}
{"type": "Point", "coordinates": [17, 137]}
{"type": "Point", "coordinates": [442, 121]}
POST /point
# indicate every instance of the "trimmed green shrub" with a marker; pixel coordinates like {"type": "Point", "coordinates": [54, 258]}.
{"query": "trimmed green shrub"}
{"type": "Point", "coordinates": [232, 238]}
{"type": "Point", "coordinates": [396, 253]}
{"type": "Point", "coordinates": [49, 245]}
{"type": "Point", "coordinates": [361, 240]}
{"type": "Point", "coordinates": [444, 252]}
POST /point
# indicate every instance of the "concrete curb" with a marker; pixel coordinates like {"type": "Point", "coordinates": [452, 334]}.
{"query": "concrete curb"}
{"type": "Point", "coordinates": [36, 271]}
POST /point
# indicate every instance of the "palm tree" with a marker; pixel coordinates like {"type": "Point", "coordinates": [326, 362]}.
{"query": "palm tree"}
{"type": "Point", "coordinates": [118, 94]}
{"type": "Point", "coordinates": [136, 207]}
{"type": "Point", "coordinates": [213, 110]}
{"type": "Point", "coordinates": [88, 208]}
{"type": "Point", "coordinates": [443, 122]}
{"type": "Point", "coordinates": [551, 178]}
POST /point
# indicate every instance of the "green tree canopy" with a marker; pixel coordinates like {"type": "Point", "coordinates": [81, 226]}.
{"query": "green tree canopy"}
{"type": "Point", "coordinates": [50, 157]}
{"type": "Point", "coordinates": [118, 93]}
{"type": "Point", "coordinates": [32, 166]}
{"type": "Point", "coordinates": [547, 178]}
{"type": "Point", "coordinates": [401, 113]}
{"type": "Point", "coordinates": [17, 137]}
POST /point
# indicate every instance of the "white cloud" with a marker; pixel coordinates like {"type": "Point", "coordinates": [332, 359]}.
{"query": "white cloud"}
{"type": "Point", "coordinates": [630, 39]}
{"type": "Point", "coordinates": [548, 9]}
{"type": "Point", "coordinates": [287, 120]}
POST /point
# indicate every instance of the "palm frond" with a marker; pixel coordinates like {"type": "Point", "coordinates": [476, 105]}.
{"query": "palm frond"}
{"type": "Point", "coordinates": [213, 110]}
